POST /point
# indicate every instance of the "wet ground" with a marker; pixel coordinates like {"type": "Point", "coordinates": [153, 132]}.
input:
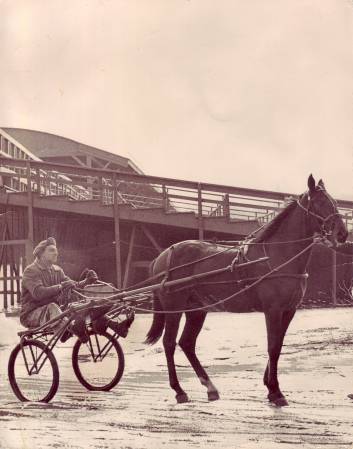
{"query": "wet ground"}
{"type": "Point", "coordinates": [316, 373]}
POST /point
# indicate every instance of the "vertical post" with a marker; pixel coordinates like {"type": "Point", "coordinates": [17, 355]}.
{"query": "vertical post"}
{"type": "Point", "coordinates": [110, 191]}
{"type": "Point", "coordinates": [165, 198]}
{"type": "Point", "coordinates": [38, 181]}
{"type": "Point", "coordinates": [89, 178]}
{"type": "Point", "coordinates": [56, 182]}
{"type": "Point", "coordinates": [2, 266]}
{"type": "Point", "coordinates": [30, 235]}
{"type": "Point", "coordinates": [28, 253]}
{"type": "Point", "coordinates": [12, 284]}
{"type": "Point", "coordinates": [226, 206]}
{"type": "Point", "coordinates": [117, 234]}
{"type": "Point", "coordinates": [334, 278]}
{"type": "Point", "coordinates": [129, 257]}
{"type": "Point", "coordinates": [199, 207]}
{"type": "Point", "coordinates": [4, 269]}
{"type": "Point", "coordinates": [15, 255]}
{"type": "Point", "coordinates": [100, 189]}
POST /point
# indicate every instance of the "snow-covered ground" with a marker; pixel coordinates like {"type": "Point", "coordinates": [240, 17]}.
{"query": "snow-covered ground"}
{"type": "Point", "coordinates": [316, 373]}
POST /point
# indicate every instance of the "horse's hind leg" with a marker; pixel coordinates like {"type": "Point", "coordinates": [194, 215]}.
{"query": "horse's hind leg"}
{"type": "Point", "coordinates": [187, 342]}
{"type": "Point", "coordinates": [169, 342]}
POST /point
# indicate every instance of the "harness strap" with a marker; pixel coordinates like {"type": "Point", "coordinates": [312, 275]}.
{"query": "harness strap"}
{"type": "Point", "coordinates": [234, 262]}
{"type": "Point", "coordinates": [240, 281]}
{"type": "Point", "coordinates": [243, 290]}
{"type": "Point", "coordinates": [167, 271]}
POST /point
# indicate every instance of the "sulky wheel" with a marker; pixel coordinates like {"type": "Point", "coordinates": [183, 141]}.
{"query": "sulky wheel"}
{"type": "Point", "coordinates": [99, 363]}
{"type": "Point", "coordinates": [33, 372]}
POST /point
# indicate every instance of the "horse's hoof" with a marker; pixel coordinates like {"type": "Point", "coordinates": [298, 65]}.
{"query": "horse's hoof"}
{"type": "Point", "coordinates": [213, 395]}
{"type": "Point", "coordinates": [182, 398]}
{"type": "Point", "coordinates": [277, 400]}
{"type": "Point", "coordinates": [281, 402]}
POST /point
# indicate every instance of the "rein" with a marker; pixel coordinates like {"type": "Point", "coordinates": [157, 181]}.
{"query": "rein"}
{"type": "Point", "coordinates": [233, 244]}
{"type": "Point", "coordinates": [246, 288]}
{"type": "Point", "coordinates": [239, 242]}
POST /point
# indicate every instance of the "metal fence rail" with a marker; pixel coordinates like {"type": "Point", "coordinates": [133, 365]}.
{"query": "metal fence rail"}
{"type": "Point", "coordinates": [206, 200]}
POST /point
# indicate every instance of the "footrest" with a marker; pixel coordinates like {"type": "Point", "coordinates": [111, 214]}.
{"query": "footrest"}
{"type": "Point", "coordinates": [21, 333]}
{"type": "Point", "coordinates": [31, 332]}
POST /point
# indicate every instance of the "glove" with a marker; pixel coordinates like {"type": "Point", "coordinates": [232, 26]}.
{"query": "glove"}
{"type": "Point", "coordinates": [68, 284]}
{"type": "Point", "coordinates": [91, 277]}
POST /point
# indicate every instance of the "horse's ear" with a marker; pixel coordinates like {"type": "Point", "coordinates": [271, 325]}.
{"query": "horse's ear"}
{"type": "Point", "coordinates": [321, 184]}
{"type": "Point", "coordinates": [311, 184]}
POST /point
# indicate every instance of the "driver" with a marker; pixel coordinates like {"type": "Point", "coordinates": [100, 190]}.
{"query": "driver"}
{"type": "Point", "coordinates": [45, 286]}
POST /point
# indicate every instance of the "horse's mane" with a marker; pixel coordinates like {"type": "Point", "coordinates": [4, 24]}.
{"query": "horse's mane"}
{"type": "Point", "coordinates": [274, 224]}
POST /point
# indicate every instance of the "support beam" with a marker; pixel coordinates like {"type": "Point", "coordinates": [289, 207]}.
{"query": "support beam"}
{"type": "Point", "coordinates": [78, 160]}
{"type": "Point", "coordinates": [100, 164]}
{"type": "Point", "coordinates": [151, 238]}
{"type": "Point", "coordinates": [165, 198]}
{"type": "Point", "coordinates": [129, 258]}
{"type": "Point", "coordinates": [30, 235]}
{"type": "Point", "coordinates": [334, 278]}
{"type": "Point", "coordinates": [117, 235]}
{"type": "Point", "coordinates": [199, 215]}
{"type": "Point", "coordinates": [13, 242]}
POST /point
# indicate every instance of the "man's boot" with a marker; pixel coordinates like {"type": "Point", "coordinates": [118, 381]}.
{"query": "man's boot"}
{"type": "Point", "coordinates": [122, 327]}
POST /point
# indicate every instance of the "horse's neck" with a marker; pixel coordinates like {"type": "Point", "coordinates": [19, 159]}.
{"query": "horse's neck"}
{"type": "Point", "coordinates": [293, 229]}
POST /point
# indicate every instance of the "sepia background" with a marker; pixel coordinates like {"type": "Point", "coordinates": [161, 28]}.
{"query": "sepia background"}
{"type": "Point", "coordinates": [254, 94]}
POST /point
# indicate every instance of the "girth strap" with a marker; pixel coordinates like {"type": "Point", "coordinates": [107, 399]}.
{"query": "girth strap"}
{"type": "Point", "coordinates": [167, 270]}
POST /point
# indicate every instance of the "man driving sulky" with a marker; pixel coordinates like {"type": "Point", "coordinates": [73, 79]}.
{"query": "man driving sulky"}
{"type": "Point", "coordinates": [46, 289]}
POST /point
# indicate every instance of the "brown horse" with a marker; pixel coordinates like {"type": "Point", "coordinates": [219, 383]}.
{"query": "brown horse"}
{"type": "Point", "coordinates": [290, 233]}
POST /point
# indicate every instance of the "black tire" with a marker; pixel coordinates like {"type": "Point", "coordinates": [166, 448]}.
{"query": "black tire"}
{"type": "Point", "coordinates": [19, 377]}
{"type": "Point", "coordinates": [82, 359]}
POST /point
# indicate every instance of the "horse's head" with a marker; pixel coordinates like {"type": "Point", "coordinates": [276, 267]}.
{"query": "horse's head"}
{"type": "Point", "coordinates": [322, 212]}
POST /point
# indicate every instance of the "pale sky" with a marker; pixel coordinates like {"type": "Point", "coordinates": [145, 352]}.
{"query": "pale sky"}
{"type": "Point", "coordinates": [249, 93]}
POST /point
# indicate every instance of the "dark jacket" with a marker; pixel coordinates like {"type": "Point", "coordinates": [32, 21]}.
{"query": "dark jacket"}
{"type": "Point", "coordinates": [40, 286]}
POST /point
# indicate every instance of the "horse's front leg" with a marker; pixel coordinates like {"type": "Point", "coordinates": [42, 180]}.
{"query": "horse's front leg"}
{"type": "Point", "coordinates": [287, 317]}
{"type": "Point", "coordinates": [277, 323]}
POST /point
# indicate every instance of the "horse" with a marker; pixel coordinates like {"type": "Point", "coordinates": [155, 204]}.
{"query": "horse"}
{"type": "Point", "coordinates": [279, 282]}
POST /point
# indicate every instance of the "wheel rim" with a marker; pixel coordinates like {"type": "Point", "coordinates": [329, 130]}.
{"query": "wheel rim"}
{"type": "Point", "coordinates": [33, 373]}
{"type": "Point", "coordinates": [98, 362]}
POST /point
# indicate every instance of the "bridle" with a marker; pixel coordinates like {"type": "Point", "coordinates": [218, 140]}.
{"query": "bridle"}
{"type": "Point", "coordinates": [321, 220]}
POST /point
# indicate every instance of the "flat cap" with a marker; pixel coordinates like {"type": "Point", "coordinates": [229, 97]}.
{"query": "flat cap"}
{"type": "Point", "coordinates": [42, 245]}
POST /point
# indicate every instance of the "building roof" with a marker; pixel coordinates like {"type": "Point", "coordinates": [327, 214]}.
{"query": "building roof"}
{"type": "Point", "coordinates": [45, 146]}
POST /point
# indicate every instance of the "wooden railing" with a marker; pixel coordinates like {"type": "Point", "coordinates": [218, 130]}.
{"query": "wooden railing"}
{"type": "Point", "coordinates": [172, 195]}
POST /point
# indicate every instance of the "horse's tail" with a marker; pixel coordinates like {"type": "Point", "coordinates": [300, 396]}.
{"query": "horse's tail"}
{"type": "Point", "coordinates": [157, 327]}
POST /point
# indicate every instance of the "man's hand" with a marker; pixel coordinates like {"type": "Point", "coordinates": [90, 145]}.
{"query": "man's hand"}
{"type": "Point", "coordinates": [68, 284]}
{"type": "Point", "coordinates": [91, 277]}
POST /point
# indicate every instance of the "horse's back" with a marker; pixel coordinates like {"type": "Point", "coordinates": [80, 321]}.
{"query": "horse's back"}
{"type": "Point", "coordinates": [192, 256]}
